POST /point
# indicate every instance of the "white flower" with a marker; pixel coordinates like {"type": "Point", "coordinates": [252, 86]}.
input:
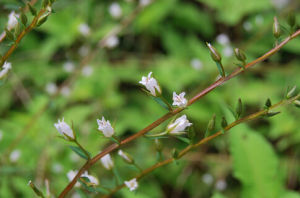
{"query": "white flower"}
{"type": "Point", "coordinates": [64, 129]}
{"type": "Point", "coordinates": [207, 179]}
{"type": "Point", "coordinates": [221, 185]}
{"type": "Point", "coordinates": [227, 51]}
{"type": "Point", "coordinates": [179, 125]}
{"type": "Point", "coordinates": [71, 174]}
{"type": "Point", "coordinates": [247, 26]}
{"type": "Point", "coordinates": [107, 162]}
{"type": "Point", "coordinates": [196, 64]}
{"type": "Point", "coordinates": [5, 69]}
{"type": "Point", "coordinates": [84, 29]}
{"type": "Point", "coordinates": [151, 84]}
{"type": "Point", "coordinates": [65, 91]}
{"type": "Point", "coordinates": [83, 50]}
{"type": "Point", "coordinates": [115, 10]}
{"type": "Point", "coordinates": [179, 100]}
{"type": "Point", "coordinates": [144, 3]}
{"type": "Point", "coordinates": [15, 155]}
{"type": "Point", "coordinates": [69, 66]}
{"type": "Point", "coordinates": [125, 156]}
{"type": "Point", "coordinates": [87, 71]}
{"type": "Point", "coordinates": [112, 42]}
{"type": "Point", "coordinates": [92, 179]}
{"type": "Point", "coordinates": [132, 184]}
{"type": "Point", "coordinates": [259, 20]}
{"type": "Point", "coordinates": [105, 127]}
{"type": "Point", "coordinates": [51, 88]}
{"type": "Point", "coordinates": [12, 20]}
{"type": "Point", "coordinates": [223, 39]}
{"type": "Point", "coordinates": [57, 168]}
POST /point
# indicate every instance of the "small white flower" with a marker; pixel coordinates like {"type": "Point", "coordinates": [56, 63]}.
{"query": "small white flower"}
{"type": "Point", "coordinates": [12, 20]}
{"type": "Point", "coordinates": [196, 64]}
{"type": "Point", "coordinates": [179, 125]}
{"type": "Point", "coordinates": [107, 162]}
{"type": "Point", "coordinates": [132, 184]}
{"type": "Point", "coordinates": [14, 155]}
{"type": "Point", "coordinates": [259, 20]}
{"type": "Point", "coordinates": [112, 42]}
{"type": "Point", "coordinates": [69, 66]}
{"type": "Point", "coordinates": [51, 88]}
{"type": "Point", "coordinates": [64, 129]}
{"type": "Point", "coordinates": [280, 4]}
{"type": "Point", "coordinates": [151, 84]}
{"type": "Point", "coordinates": [105, 127]}
{"type": "Point", "coordinates": [125, 156]}
{"type": "Point", "coordinates": [92, 179]}
{"type": "Point", "coordinates": [83, 50]}
{"type": "Point", "coordinates": [144, 3]}
{"type": "Point", "coordinates": [115, 10]}
{"type": "Point", "coordinates": [179, 100]}
{"type": "Point", "coordinates": [65, 91]}
{"type": "Point", "coordinates": [87, 71]}
{"type": "Point", "coordinates": [223, 39]}
{"type": "Point", "coordinates": [71, 174]}
{"type": "Point", "coordinates": [57, 168]}
{"type": "Point", "coordinates": [5, 69]}
{"type": "Point", "coordinates": [84, 29]}
{"type": "Point", "coordinates": [221, 185]}
{"type": "Point", "coordinates": [247, 26]}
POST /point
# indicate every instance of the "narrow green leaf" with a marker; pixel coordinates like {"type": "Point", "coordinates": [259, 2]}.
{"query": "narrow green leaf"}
{"type": "Point", "coordinates": [79, 152]}
{"type": "Point", "coordinates": [160, 102]}
{"type": "Point", "coordinates": [183, 139]}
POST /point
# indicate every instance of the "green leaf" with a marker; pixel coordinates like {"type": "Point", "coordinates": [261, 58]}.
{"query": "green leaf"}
{"type": "Point", "coordinates": [184, 139]}
{"type": "Point", "coordinates": [117, 176]}
{"type": "Point", "coordinates": [79, 152]}
{"type": "Point", "coordinates": [160, 102]}
{"type": "Point", "coordinates": [255, 164]}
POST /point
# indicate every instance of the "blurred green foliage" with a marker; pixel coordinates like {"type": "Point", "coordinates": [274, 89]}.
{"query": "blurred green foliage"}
{"type": "Point", "coordinates": [257, 159]}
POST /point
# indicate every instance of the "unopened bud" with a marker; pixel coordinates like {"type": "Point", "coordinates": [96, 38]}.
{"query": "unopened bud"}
{"type": "Point", "coordinates": [214, 53]}
{"type": "Point", "coordinates": [276, 28]}
{"type": "Point", "coordinates": [35, 189]}
{"type": "Point", "coordinates": [271, 114]}
{"type": "Point", "coordinates": [268, 103]}
{"type": "Point", "coordinates": [42, 20]}
{"type": "Point", "coordinates": [297, 103]}
{"type": "Point", "coordinates": [291, 19]}
{"type": "Point", "coordinates": [32, 9]}
{"type": "Point", "coordinates": [291, 93]}
{"type": "Point", "coordinates": [45, 3]}
{"type": "Point", "coordinates": [126, 157]}
{"type": "Point", "coordinates": [24, 19]}
{"type": "Point", "coordinates": [239, 54]}
{"type": "Point", "coordinates": [174, 153]}
{"type": "Point", "coordinates": [211, 125]}
{"type": "Point", "coordinates": [239, 109]}
{"type": "Point", "coordinates": [224, 122]}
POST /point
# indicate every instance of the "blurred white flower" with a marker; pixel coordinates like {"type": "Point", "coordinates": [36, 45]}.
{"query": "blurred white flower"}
{"type": "Point", "coordinates": [57, 168]}
{"type": "Point", "coordinates": [179, 100]}
{"type": "Point", "coordinates": [71, 174]}
{"type": "Point", "coordinates": [178, 126]}
{"type": "Point", "coordinates": [1, 135]}
{"type": "Point", "coordinates": [227, 51]}
{"type": "Point", "coordinates": [125, 156]}
{"type": "Point", "coordinates": [51, 88]}
{"type": "Point", "coordinates": [84, 29]}
{"type": "Point", "coordinates": [105, 127]}
{"type": "Point", "coordinates": [92, 179]}
{"type": "Point", "coordinates": [259, 20]}
{"type": "Point", "coordinates": [107, 162]}
{"type": "Point", "coordinates": [112, 42]}
{"type": "Point", "coordinates": [83, 50]}
{"type": "Point", "coordinates": [144, 3]}
{"type": "Point", "coordinates": [76, 195]}
{"type": "Point", "coordinates": [280, 4]}
{"type": "Point", "coordinates": [196, 64]}
{"type": "Point", "coordinates": [64, 129]}
{"type": "Point", "coordinates": [151, 84]}
{"type": "Point", "coordinates": [115, 10]}
{"type": "Point", "coordinates": [5, 69]}
{"type": "Point", "coordinates": [15, 155]}
{"type": "Point", "coordinates": [87, 71]}
{"type": "Point", "coordinates": [223, 39]}
{"type": "Point", "coordinates": [132, 184]}
{"type": "Point", "coordinates": [247, 26]}
{"type": "Point", "coordinates": [65, 91]}
{"type": "Point", "coordinates": [207, 179]}
{"type": "Point", "coordinates": [221, 185]}
{"type": "Point", "coordinates": [12, 20]}
{"type": "Point", "coordinates": [69, 66]}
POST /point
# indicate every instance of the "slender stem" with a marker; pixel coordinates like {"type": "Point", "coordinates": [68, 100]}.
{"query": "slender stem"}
{"type": "Point", "coordinates": [83, 149]}
{"type": "Point", "coordinates": [21, 35]}
{"type": "Point", "coordinates": [205, 140]}
{"type": "Point", "coordinates": [168, 115]}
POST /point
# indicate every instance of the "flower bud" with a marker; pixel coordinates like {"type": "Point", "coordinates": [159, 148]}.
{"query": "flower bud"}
{"type": "Point", "coordinates": [158, 145]}
{"type": "Point", "coordinates": [126, 157]}
{"type": "Point", "coordinates": [276, 28]}
{"type": "Point", "coordinates": [239, 54]}
{"type": "Point", "coordinates": [291, 93]}
{"type": "Point", "coordinates": [268, 103]}
{"type": "Point", "coordinates": [35, 189]}
{"type": "Point", "coordinates": [214, 53]}
{"type": "Point", "coordinates": [297, 103]}
{"type": "Point", "coordinates": [224, 122]}
{"type": "Point", "coordinates": [271, 114]}
{"type": "Point", "coordinates": [175, 153]}
{"type": "Point", "coordinates": [239, 109]}
{"type": "Point", "coordinates": [32, 9]}
{"type": "Point", "coordinates": [24, 19]}
{"type": "Point", "coordinates": [211, 125]}
{"type": "Point", "coordinates": [42, 20]}
{"type": "Point", "coordinates": [9, 35]}
{"type": "Point", "coordinates": [291, 19]}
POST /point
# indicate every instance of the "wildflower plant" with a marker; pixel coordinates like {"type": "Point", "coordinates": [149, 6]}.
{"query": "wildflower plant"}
{"type": "Point", "coordinates": [116, 153]}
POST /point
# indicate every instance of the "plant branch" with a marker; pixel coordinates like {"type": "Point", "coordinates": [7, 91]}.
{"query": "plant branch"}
{"type": "Point", "coordinates": [168, 115]}
{"type": "Point", "coordinates": [205, 140]}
